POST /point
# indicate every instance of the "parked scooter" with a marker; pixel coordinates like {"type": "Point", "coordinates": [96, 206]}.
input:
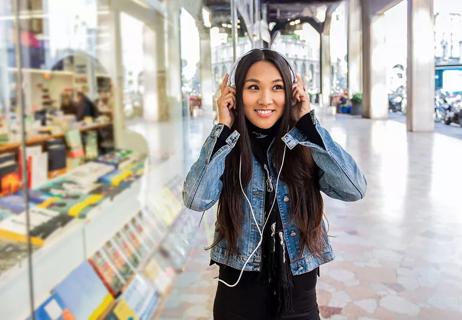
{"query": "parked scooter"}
{"type": "Point", "coordinates": [449, 107]}
{"type": "Point", "coordinates": [441, 107]}
{"type": "Point", "coordinates": [453, 114]}
{"type": "Point", "coordinates": [396, 100]}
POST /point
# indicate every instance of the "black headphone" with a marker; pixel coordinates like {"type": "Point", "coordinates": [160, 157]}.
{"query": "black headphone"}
{"type": "Point", "coordinates": [232, 73]}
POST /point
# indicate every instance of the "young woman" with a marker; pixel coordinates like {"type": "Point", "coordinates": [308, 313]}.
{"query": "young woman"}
{"type": "Point", "coordinates": [266, 163]}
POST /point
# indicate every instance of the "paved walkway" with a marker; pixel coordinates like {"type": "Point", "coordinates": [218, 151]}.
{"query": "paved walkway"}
{"type": "Point", "coordinates": [399, 252]}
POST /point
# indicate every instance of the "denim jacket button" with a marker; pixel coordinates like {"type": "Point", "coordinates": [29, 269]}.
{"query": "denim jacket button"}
{"type": "Point", "coordinates": [286, 199]}
{"type": "Point", "coordinates": [293, 234]}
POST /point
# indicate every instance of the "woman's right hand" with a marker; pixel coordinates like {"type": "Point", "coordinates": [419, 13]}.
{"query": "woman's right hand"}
{"type": "Point", "coordinates": [226, 103]}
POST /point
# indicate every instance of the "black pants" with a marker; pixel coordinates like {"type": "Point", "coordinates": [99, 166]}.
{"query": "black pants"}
{"type": "Point", "coordinates": [250, 299]}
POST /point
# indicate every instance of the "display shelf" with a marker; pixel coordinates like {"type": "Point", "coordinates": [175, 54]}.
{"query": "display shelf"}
{"type": "Point", "coordinates": [64, 251]}
{"type": "Point", "coordinates": [38, 139]}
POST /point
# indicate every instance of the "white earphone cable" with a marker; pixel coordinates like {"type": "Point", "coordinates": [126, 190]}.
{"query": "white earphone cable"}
{"type": "Point", "coordinates": [254, 218]}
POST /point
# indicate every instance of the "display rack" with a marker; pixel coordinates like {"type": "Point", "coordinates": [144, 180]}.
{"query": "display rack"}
{"type": "Point", "coordinates": [39, 139]}
{"type": "Point", "coordinates": [64, 251]}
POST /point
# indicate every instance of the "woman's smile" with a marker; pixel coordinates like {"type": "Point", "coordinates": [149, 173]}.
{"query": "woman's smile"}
{"type": "Point", "coordinates": [264, 113]}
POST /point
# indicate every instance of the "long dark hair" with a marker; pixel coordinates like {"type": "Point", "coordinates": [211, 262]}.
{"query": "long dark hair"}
{"type": "Point", "coordinates": [300, 172]}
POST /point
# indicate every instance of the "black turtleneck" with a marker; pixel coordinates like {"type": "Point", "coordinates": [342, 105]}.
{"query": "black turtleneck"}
{"type": "Point", "coordinates": [275, 267]}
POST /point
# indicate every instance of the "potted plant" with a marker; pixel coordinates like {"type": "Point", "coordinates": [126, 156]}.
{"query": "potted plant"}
{"type": "Point", "coordinates": [356, 103]}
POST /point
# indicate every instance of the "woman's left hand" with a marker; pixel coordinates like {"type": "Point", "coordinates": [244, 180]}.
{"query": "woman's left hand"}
{"type": "Point", "coordinates": [299, 94]}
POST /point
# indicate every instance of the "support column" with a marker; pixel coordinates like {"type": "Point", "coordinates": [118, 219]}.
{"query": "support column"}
{"type": "Point", "coordinates": [206, 68]}
{"type": "Point", "coordinates": [152, 99]}
{"type": "Point", "coordinates": [158, 53]}
{"type": "Point", "coordinates": [173, 58]}
{"type": "Point", "coordinates": [325, 63]}
{"type": "Point", "coordinates": [375, 98]}
{"type": "Point", "coordinates": [354, 47]}
{"type": "Point", "coordinates": [420, 65]}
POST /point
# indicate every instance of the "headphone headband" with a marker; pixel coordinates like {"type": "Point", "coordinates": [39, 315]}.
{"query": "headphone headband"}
{"type": "Point", "coordinates": [232, 72]}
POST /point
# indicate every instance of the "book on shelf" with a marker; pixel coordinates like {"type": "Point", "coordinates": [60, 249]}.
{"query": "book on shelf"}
{"type": "Point", "coordinates": [116, 177]}
{"type": "Point", "coordinates": [118, 158]}
{"type": "Point", "coordinates": [47, 228]}
{"type": "Point", "coordinates": [14, 227]}
{"type": "Point", "coordinates": [76, 152]}
{"type": "Point", "coordinates": [135, 240]}
{"type": "Point", "coordinates": [37, 166]}
{"type": "Point", "coordinates": [160, 274]}
{"type": "Point", "coordinates": [121, 264]}
{"type": "Point", "coordinates": [89, 173]}
{"type": "Point", "coordinates": [108, 273]}
{"type": "Point", "coordinates": [56, 150]}
{"type": "Point", "coordinates": [143, 232]}
{"type": "Point", "coordinates": [91, 145]}
{"type": "Point", "coordinates": [141, 296]}
{"type": "Point", "coordinates": [35, 196]}
{"type": "Point", "coordinates": [10, 179]}
{"type": "Point", "coordinates": [122, 311]}
{"type": "Point", "coordinates": [83, 293]}
{"type": "Point", "coordinates": [127, 249]}
{"type": "Point", "coordinates": [53, 308]}
{"type": "Point", "coordinates": [15, 203]}
{"type": "Point", "coordinates": [65, 187]}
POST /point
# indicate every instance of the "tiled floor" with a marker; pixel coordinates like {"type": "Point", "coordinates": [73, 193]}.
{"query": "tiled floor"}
{"type": "Point", "coordinates": [399, 250]}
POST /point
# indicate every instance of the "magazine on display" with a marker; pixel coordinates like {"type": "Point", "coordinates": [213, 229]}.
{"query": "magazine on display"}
{"type": "Point", "coordinates": [118, 158]}
{"type": "Point", "coordinates": [89, 173]}
{"type": "Point", "coordinates": [122, 266]}
{"type": "Point", "coordinates": [53, 308]}
{"type": "Point", "coordinates": [84, 293]}
{"type": "Point", "coordinates": [141, 296]}
{"type": "Point", "coordinates": [133, 240]}
{"type": "Point", "coordinates": [108, 273]}
{"type": "Point", "coordinates": [128, 251]}
{"type": "Point", "coordinates": [122, 311]}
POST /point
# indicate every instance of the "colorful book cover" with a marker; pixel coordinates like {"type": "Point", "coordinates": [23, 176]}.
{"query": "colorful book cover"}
{"type": "Point", "coordinates": [66, 188]}
{"type": "Point", "coordinates": [63, 205]}
{"type": "Point", "coordinates": [143, 231]}
{"type": "Point", "coordinates": [91, 145]}
{"type": "Point", "coordinates": [84, 293]}
{"type": "Point", "coordinates": [89, 173]}
{"type": "Point", "coordinates": [116, 177]}
{"type": "Point", "coordinates": [53, 309]}
{"type": "Point", "coordinates": [140, 295]}
{"type": "Point", "coordinates": [56, 222]}
{"type": "Point", "coordinates": [117, 158]}
{"type": "Point", "coordinates": [107, 272]}
{"type": "Point", "coordinates": [127, 249]}
{"type": "Point", "coordinates": [120, 263]}
{"type": "Point", "coordinates": [122, 311]}
{"type": "Point", "coordinates": [137, 238]}
{"type": "Point", "coordinates": [35, 196]}
{"type": "Point", "coordinates": [74, 142]}
{"type": "Point", "coordinates": [160, 275]}
{"type": "Point", "coordinates": [15, 227]}
{"type": "Point", "coordinates": [14, 203]}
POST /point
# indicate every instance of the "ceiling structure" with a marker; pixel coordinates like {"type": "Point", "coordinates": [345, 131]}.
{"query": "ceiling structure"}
{"type": "Point", "coordinates": [277, 14]}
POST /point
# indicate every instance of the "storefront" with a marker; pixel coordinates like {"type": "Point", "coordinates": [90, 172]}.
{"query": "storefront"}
{"type": "Point", "coordinates": [86, 203]}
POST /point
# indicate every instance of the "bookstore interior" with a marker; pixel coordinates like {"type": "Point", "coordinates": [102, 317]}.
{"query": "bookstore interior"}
{"type": "Point", "coordinates": [78, 239]}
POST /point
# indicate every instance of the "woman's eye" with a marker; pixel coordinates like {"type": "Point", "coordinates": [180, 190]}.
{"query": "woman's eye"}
{"type": "Point", "coordinates": [252, 87]}
{"type": "Point", "coordinates": [278, 87]}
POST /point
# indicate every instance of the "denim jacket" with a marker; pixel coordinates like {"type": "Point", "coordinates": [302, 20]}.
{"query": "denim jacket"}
{"type": "Point", "coordinates": [339, 178]}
